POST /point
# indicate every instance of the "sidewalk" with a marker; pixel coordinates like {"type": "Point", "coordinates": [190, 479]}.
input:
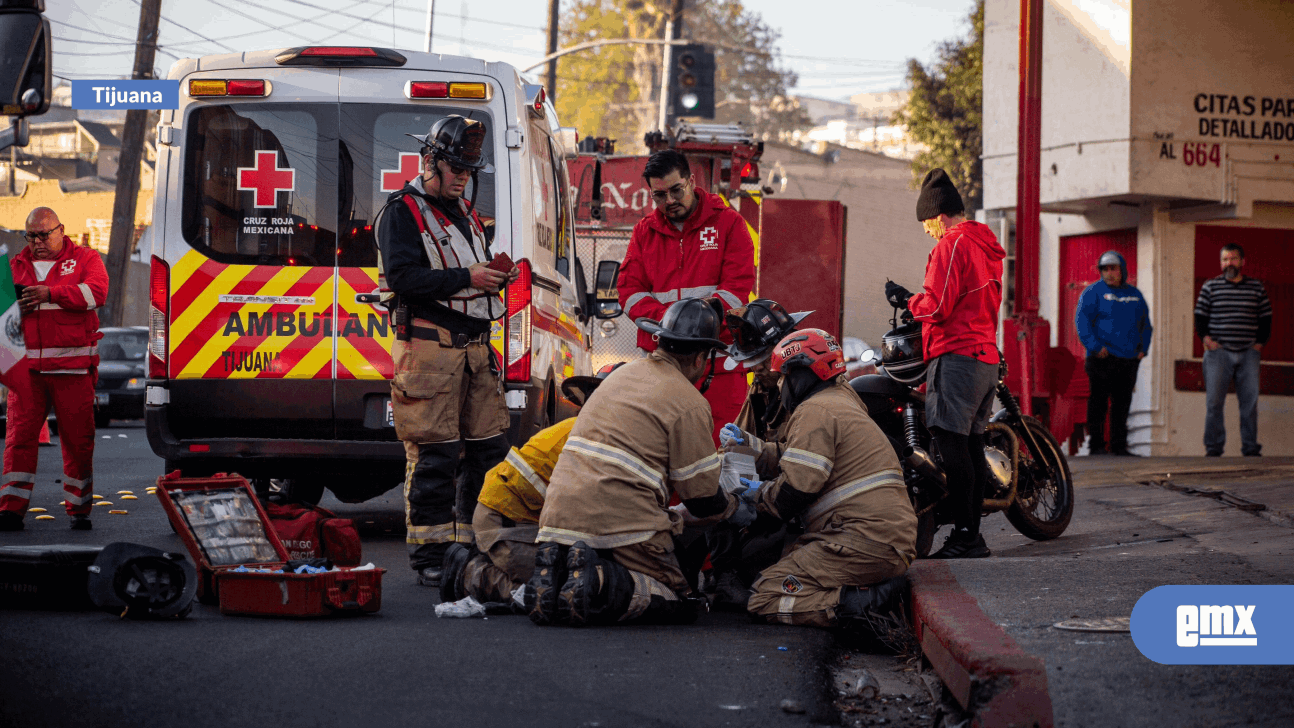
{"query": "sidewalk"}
{"type": "Point", "coordinates": [987, 625]}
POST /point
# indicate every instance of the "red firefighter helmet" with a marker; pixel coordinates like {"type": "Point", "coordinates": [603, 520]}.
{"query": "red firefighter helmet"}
{"type": "Point", "coordinates": [812, 349]}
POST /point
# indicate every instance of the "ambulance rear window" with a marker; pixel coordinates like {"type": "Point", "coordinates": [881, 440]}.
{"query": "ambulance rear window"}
{"type": "Point", "coordinates": [377, 158]}
{"type": "Point", "coordinates": [260, 183]}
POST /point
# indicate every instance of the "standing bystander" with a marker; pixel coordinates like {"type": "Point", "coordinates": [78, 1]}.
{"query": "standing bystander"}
{"type": "Point", "coordinates": [60, 287]}
{"type": "Point", "coordinates": [1113, 323]}
{"type": "Point", "coordinates": [1234, 318]}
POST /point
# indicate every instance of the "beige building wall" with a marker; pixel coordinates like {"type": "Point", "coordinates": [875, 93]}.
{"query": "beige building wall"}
{"type": "Point", "coordinates": [80, 212]}
{"type": "Point", "coordinates": [883, 239]}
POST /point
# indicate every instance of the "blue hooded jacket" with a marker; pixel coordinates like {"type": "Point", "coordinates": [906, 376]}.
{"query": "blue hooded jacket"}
{"type": "Point", "coordinates": [1115, 318]}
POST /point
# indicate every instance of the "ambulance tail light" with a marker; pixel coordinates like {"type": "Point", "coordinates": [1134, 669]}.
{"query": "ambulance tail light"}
{"type": "Point", "coordinates": [159, 285]}
{"type": "Point", "coordinates": [339, 56]}
{"type": "Point", "coordinates": [517, 344]}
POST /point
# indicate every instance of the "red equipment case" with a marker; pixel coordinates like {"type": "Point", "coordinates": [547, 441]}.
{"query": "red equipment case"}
{"type": "Point", "coordinates": [224, 527]}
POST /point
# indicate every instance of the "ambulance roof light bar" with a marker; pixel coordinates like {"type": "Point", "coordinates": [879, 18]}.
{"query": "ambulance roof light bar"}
{"type": "Point", "coordinates": [446, 90]}
{"type": "Point", "coordinates": [339, 56]}
{"type": "Point", "coordinates": [228, 87]}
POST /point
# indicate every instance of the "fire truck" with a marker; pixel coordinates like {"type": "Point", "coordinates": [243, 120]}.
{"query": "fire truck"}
{"type": "Point", "coordinates": [799, 244]}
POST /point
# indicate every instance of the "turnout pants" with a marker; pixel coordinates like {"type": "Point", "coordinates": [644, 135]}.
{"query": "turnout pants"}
{"type": "Point", "coordinates": [804, 586]}
{"type": "Point", "coordinates": [1111, 380]}
{"type": "Point", "coordinates": [507, 557]}
{"type": "Point", "coordinates": [447, 402]}
{"type": "Point", "coordinates": [72, 397]}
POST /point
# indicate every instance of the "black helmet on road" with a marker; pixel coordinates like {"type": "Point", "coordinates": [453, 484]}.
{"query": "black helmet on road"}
{"type": "Point", "coordinates": [579, 388]}
{"type": "Point", "coordinates": [457, 140]}
{"type": "Point", "coordinates": [902, 356]}
{"type": "Point", "coordinates": [757, 327]}
{"type": "Point", "coordinates": [689, 326]}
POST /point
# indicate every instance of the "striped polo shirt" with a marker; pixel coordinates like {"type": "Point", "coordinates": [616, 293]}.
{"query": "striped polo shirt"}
{"type": "Point", "coordinates": [1231, 312]}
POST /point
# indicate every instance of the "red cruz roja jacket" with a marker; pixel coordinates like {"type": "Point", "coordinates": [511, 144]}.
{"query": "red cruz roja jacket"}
{"type": "Point", "coordinates": [64, 333]}
{"type": "Point", "coordinates": [963, 292]}
{"type": "Point", "coordinates": [712, 255]}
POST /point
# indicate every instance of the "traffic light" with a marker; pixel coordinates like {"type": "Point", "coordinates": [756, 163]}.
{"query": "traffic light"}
{"type": "Point", "coordinates": [691, 81]}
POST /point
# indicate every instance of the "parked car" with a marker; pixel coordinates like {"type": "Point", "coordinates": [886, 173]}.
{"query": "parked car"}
{"type": "Point", "coordinates": [123, 375]}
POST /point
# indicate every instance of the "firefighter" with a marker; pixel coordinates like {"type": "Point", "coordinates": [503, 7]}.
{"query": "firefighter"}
{"type": "Point", "coordinates": [507, 513]}
{"type": "Point", "coordinates": [958, 309]}
{"type": "Point", "coordinates": [692, 245]}
{"type": "Point", "coordinates": [837, 474]}
{"type": "Point", "coordinates": [62, 285]}
{"type": "Point", "coordinates": [606, 533]}
{"type": "Point", "coordinates": [446, 393]}
{"type": "Point", "coordinates": [756, 328]}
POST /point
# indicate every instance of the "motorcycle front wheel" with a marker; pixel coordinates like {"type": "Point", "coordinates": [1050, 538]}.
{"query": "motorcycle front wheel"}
{"type": "Point", "coordinates": [1044, 499]}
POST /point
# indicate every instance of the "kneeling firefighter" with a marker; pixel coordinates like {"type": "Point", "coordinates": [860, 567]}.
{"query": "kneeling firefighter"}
{"type": "Point", "coordinates": [839, 475]}
{"type": "Point", "coordinates": [607, 549]}
{"type": "Point", "coordinates": [446, 393]}
{"type": "Point", "coordinates": [507, 514]}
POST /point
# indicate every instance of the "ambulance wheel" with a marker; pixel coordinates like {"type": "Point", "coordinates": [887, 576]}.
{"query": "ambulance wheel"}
{"type": "Point", "coordinates": [309, 492]}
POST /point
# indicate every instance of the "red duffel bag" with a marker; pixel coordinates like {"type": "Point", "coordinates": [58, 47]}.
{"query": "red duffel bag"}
{"type": "Point", "coordinates": [310, 532]}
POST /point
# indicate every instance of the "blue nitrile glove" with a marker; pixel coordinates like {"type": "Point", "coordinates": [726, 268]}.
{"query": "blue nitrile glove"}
{"type": "Point", "coordinates": [731, 435]}
{"type": "Point", "coordinates": [750, 484]}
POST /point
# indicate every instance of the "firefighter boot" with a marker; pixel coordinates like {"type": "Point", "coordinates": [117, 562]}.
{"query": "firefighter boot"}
{"type": "Point", "coordinates": [451, 576]}
{"type": "Point", "coordinates": [878, 613]}
{"type": "Point", "coordinates": [540, 596]}
{"type": "Point", "coordinates": [597, 590]}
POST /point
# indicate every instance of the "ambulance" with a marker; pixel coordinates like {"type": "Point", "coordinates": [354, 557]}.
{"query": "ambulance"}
{"type": "Point", "coordinates": [269, 343]}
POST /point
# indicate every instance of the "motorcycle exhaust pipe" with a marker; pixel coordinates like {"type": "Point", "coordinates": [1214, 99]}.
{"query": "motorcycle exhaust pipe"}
{"type": "Point", "coordinates": [920, 461]}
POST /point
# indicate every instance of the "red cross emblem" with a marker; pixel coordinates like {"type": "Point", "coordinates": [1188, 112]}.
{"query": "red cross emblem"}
{"type": "Point", "coordinates": [393, 179]}
{"type": "Point", "coordinates": [266, 178]}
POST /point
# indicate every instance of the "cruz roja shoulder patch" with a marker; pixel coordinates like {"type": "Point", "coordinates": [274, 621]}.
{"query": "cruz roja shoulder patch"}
{"type": "Point", "coordinates": [792, 585]}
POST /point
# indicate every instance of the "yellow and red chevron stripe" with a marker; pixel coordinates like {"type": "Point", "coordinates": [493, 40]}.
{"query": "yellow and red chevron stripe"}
{"type": "Point", "coordinates": [271, 322]}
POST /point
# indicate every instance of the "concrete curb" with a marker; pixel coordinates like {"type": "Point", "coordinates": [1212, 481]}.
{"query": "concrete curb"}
{"type": "Point", "coordinates": [984, 668]}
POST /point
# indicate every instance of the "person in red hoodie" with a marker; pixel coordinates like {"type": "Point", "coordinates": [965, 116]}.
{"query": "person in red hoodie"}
{"type": "Point", "coordinates": [958, 308]}
{"type": "Point", "coordinates": [61, 286]}
{"type": "Point", "coordinates": [692, 246]}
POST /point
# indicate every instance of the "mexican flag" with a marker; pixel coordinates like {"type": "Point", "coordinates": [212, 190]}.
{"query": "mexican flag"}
{"type": "Point", "coordinates": [12, 350]}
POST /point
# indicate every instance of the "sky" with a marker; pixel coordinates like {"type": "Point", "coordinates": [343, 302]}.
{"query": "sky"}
{"type": "Point", "coordinates": [838, 48]}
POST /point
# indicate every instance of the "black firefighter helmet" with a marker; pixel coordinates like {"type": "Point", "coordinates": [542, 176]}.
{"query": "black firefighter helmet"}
{"type": "Point", "coordinates": [689, 326]}
{"type": "Point", "coordinates": [757, 327]}
{"type": "Point", "coordinates": [457, 140]}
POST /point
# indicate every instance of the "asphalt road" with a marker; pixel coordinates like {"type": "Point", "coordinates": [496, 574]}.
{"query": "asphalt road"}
{"type": "Point", "coordinates": [399, 667]}
{"type": "Point", "coordinates": [1124, 540]}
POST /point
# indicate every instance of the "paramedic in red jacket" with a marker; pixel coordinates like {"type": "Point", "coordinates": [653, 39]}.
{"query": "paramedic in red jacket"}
{"type": "Point", "coordinates": [958, 309]}
{"type": "Point", "coordinates": [692, 246]}
{"type": "Point", "coordinates": [63, 285]}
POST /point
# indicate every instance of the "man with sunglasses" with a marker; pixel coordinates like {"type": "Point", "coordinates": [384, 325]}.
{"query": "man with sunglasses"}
{"type": "Point", "coordinates": [691, 246]}
{"type": "Point", "coordinates": [446, 392]}
{"type": "Point", "coordinates": [59, 287]}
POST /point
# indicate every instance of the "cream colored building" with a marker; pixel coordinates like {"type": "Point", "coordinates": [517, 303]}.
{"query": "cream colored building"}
{"type": "Point", "coordinates": [1167, 130]}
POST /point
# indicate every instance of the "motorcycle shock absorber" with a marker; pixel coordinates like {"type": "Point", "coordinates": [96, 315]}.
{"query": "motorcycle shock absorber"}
{"type": "Point", "coordinates": [910, 426]}
{"type": "Point", "coordinates": [1009, 401]}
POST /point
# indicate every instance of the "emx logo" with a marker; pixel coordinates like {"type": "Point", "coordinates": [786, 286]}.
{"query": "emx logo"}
{"type": "Point", "coordinates": [1226, 626]}
{"type": "Point", "coordinates": [1215, 625]}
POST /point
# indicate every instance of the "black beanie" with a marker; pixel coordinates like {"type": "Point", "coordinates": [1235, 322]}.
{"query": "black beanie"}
{"type": "Point", "coordinates": [938, 195]}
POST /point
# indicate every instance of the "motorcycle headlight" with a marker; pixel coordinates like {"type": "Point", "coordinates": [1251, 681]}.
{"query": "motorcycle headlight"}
{"type": "Point", "coordinates": [136, 383]}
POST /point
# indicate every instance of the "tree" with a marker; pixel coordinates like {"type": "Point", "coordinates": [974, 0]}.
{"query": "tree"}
{"type": "Point", "coordinates": [614, 91]}
{"type": "Point", "coordinates": [944, 111]}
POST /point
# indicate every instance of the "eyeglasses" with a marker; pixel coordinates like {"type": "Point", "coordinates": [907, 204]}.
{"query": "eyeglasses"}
{"type": "Point", "coordinates": [678, 192]}
{"type": "Point", "coordinates": [33, 237]}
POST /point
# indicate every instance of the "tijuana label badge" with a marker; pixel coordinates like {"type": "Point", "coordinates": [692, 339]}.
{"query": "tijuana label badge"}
{"type": "Point", "coordinates": [792, 585]}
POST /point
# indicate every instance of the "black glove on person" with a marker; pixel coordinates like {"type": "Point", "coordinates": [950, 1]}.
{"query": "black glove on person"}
{"type": "Point", "coordinates": [897, 295]}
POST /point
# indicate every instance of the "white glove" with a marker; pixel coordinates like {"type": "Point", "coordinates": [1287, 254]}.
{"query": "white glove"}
{"type": "Point", "coordinates": [732, 435]}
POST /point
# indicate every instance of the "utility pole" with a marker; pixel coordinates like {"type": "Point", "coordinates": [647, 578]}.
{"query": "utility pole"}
{"type": "Point", "coordinates": [554, 8]}
{"type": "Point", "coordinates": [426, 41]}
{"type": "Point", "coordinates": [122, 240]}
{"type": "Point", "coordinates": [673, 31]}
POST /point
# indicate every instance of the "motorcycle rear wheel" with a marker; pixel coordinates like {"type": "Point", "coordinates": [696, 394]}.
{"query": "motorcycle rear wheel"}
{"type": "Point", "coordinates": [1044, 499]}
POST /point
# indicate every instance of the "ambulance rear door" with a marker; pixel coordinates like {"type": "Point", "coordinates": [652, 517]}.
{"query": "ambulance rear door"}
{"type": "Point", "coordinates": [251, 255]}
{"type": "Point", "coordinates": [376, 157]}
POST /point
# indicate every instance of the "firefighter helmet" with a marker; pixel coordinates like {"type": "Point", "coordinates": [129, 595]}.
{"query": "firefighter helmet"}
{"type": "Point", "coordinates": [812, 349]}
{"type": "Point", "coordinates": [692, 324]}
{"type": "Point", "coordinates": [901, 354]}
{"type": "Point", "coordinates": [578, 389]}
{"type": "Point", "coordinates": [457, 140]}
{"type": "Point", "coordinates": [757, 327]}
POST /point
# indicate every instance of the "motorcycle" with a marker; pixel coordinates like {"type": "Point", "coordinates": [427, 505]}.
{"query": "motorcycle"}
{"type": "Point", "coordinates": [1029, 477]}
